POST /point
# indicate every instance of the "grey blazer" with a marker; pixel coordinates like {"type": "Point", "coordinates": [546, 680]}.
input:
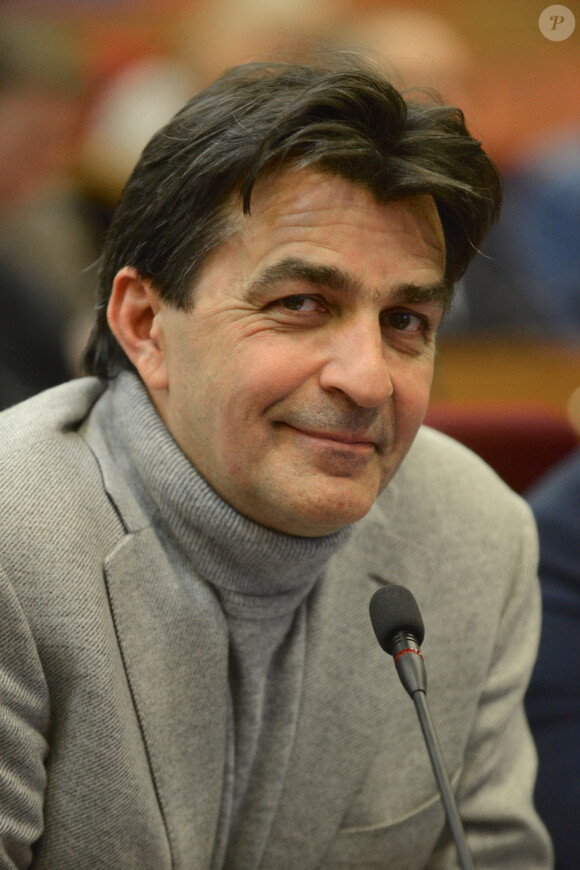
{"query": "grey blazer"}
{"type": "Point", "coordinates": [113, 676]}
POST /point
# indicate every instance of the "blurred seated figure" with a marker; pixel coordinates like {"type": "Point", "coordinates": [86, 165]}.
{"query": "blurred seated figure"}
{"type": "Point", "coordinates": [38, 113]}
{"type": "Point", "coordinates": [131, 105]}
{"type": "Point", "coordinates": [214, 35]}
{"type": "Point", "coordinates": [428, 53]}
{"type": "Point", "coordinates": [31, 340]}
{"type": "Point", "coordinates": [527, 277]}
{"type": "Point", "coordinates": [132, 101]}
{"type": "Point", "coordinates": [553, 701]}
{"type": "Point", "coordinates": [525, 280]}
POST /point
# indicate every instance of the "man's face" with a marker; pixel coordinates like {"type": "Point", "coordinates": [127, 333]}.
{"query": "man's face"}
{"type": "Point", "coordinates": [298, 380]}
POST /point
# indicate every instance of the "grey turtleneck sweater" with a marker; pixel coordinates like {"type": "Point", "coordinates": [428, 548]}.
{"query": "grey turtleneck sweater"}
{"type": "Point", "coordinates": [262, 579]}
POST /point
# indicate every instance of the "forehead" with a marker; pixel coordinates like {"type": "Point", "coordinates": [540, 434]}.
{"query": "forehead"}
{"type": "Point", "coordinates": [323, 220]}
{"type": "Point", "coordinates": [296, 190]}
{"type": "Point", "coordinates": [331, 216]}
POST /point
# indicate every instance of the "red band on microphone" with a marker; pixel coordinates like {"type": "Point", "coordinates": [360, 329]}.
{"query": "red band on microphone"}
{"type": "Point", "coordinates": [403, 651]}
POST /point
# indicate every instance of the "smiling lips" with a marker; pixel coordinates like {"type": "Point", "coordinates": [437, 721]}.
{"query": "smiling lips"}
{"type": "Point", "coordinates": [359, 430]}
{"type": "Point", "coordinates": [341, 439]}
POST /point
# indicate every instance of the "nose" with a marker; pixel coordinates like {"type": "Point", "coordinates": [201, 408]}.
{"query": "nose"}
{"type": "Point", "coordinates": [357, 365]}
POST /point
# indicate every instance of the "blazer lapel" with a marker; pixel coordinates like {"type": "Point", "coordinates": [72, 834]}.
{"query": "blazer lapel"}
{"type": "Point", "coordinates": [349, 684]}
{"type": "Point", "coordinates": [173, 639]}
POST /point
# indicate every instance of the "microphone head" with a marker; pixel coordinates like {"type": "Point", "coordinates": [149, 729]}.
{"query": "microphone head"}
{"type": "Point", "coordinates": [394, 609]}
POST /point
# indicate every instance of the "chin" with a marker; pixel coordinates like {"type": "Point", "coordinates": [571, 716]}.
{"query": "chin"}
{"type": "Point", "coordinates": [318, 520]}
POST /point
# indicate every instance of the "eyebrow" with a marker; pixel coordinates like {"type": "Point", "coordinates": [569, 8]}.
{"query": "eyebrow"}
{"type": "Point", "coordinates": [342, 281]}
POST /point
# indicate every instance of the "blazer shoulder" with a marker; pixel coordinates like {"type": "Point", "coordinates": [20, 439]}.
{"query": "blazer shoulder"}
{"type": "Point", "coordinates": [450, 464]}
{"type": "Point", "coordinates": [52, 488]}
{"type": "Point", "coordinates": [48, 415]}
{"type": "Point", "coordinates": [441, 480]}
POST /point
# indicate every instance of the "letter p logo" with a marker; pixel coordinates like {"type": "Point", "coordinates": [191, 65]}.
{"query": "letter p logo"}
{"type": "Point", "coordinates": [557, 23]}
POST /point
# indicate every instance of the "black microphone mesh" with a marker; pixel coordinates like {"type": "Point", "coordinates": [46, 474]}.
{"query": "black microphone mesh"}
{"type": "Point", "coordinates": [394, 609]}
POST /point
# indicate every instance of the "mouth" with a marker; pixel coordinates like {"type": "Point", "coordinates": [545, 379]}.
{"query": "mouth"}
{"type": "Point", "coordinates": [347, 441]}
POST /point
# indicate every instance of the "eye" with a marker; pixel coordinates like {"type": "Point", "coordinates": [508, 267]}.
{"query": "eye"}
{"type": "Point", "coordinates": [300, 303]}
{"type": "Point", "coordinates": [406, 321]}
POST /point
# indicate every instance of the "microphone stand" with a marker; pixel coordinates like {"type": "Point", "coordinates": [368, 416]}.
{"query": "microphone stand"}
{"type": "Point", "coordinates": [411, 669]}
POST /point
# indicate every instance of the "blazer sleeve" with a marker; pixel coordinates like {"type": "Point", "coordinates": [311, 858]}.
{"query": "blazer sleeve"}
{"type": "Point", "coordinates": [496, 786]}
{"type": "Point", "coordinates": [24, 715]}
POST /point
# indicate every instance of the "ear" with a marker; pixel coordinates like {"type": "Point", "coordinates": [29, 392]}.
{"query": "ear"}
{"type": "Point", "coordinates": [131, 313]}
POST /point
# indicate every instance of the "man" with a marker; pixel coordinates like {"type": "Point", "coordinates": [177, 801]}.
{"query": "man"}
{"type": "Point", "coordinates": [192, 537]}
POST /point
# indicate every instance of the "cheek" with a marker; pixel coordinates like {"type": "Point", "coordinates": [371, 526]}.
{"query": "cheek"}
{"type": "Point", "coordinates": [412, 398]}
{"type": "Point", "coordinates": [268, 371]}
{"type": "Point", "coordinates": [252, 384]}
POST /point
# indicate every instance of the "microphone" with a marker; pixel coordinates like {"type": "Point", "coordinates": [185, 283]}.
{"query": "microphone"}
{"type": "Point", "coordinates": [399, 629]}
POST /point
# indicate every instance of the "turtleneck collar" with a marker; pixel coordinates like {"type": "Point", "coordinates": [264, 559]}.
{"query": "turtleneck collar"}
{"type": "Point", "coordinates": [225, 548]}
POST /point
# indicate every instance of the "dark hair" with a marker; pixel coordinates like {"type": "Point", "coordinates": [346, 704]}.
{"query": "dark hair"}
{"type": "Point", "coordinates": [342, 116]}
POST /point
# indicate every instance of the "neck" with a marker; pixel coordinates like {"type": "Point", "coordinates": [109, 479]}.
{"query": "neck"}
{"type": "Point", "coordinates": [224, 547]}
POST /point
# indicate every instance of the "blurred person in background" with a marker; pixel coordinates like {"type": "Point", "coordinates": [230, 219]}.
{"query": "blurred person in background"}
{"type": "Point", "coordinates": [214, 35]}
{"type": "Point", "coordinates": [418, 49]}
{"type": "Point", "coordinates": [528, 279]}
{"type": "Point", "coordinates": [39, 113]}
{"type": "Point", "coordinates": [74, 121]}
{"type": "Point", "coordinates": [132, 102]}
{"type": "Point", "coordinates": [553, 700]}
{"type": "Point", "coordinates": [524, 279]}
